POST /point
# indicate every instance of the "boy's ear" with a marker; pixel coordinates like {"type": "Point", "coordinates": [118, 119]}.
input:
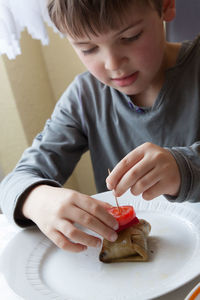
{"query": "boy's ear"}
{"type": "Point", "coordinates": [168, 10]}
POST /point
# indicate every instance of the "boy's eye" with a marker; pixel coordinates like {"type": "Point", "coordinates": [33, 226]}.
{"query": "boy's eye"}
{"type": "Point", "coordinates": [132, 38]}
{"type": "Point", "coordinates": [88, 51]}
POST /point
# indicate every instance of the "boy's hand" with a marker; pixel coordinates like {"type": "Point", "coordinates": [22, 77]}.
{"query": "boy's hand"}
{"type": "Point", "coordinates": [55, 210]}
{"type": "Point", "coordinates": [148, 170]}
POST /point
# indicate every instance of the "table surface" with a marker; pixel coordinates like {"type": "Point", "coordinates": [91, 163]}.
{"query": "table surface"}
{"type": "Point", "coordinates": [8, 231]}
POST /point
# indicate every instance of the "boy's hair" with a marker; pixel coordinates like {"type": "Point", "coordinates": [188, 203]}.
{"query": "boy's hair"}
{"type": "Point", "coordinates": [79, 18]}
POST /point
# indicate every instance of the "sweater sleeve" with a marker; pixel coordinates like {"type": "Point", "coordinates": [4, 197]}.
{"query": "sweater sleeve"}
{"type": "Point", "coordinates": [51, 158]}
{"type": "Point", "coordinates": [188, 160]}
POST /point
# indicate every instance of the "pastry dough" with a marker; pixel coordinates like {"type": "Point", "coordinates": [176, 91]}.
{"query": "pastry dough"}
{"type": "Point", "coordinates": [131, 245]}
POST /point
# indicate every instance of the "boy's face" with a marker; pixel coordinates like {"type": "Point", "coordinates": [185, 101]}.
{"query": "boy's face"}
{"type": "Point", "coordinates": [129, 59]}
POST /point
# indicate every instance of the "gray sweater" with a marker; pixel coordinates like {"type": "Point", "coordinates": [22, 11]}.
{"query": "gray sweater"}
{"type": "Point", "coordinates": [93, 116]}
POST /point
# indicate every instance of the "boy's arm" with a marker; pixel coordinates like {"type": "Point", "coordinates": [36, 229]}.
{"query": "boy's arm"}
{"type": "Point", "coordinates": [13, 192]}
{"type": "Point", "coordinates": [50, 160]}
{"type": "Point", "coordinates": [32, 193]}
{"type": "Point", "coordinates": [188, 160]}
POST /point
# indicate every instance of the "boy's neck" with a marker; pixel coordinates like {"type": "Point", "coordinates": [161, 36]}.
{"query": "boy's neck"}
{"type": "Point", "coordinates": [148, 97]}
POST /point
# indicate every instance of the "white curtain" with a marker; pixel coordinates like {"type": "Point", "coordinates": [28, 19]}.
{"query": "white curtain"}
{"type": "Point", "coordinates": [17, 15]}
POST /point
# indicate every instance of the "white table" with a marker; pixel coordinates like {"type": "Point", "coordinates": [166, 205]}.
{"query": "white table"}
{"type": "Point", "coordinates": [7, 232]}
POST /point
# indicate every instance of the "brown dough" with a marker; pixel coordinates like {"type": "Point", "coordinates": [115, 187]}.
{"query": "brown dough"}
{"type": "Point", "coordinates": [131, 245]}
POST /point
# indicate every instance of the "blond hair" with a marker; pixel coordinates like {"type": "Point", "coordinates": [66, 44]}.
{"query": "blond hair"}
{"type": "Point", "coordinates": [78, 18]}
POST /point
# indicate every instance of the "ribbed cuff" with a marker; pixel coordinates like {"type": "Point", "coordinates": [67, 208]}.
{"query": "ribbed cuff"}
{"type": "Point", "coordinates": [19, 219]}
{"type": "Point", "coordinates": [186, 177]}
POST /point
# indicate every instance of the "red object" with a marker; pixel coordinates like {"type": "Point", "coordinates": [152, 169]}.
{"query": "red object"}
{"type": "Point", "coordinates": [131, 223]}
{"type": "Point", "coordinates": [125, 215]}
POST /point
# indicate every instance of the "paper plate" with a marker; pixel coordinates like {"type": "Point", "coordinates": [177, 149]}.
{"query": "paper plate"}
{"type": "Point", "coordinates": [46, 272]}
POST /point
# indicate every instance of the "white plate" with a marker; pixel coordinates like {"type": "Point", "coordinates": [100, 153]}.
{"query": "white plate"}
{"type": "Point", "coordinates": [46, 272]}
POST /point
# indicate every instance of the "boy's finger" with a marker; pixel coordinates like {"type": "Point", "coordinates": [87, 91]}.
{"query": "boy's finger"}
{"type": "Point", "coordinates": [97, 210]}
{"type": "Point", "coordinates": [130, 160]}
{"type": "Point", "coordinates": [76, 235]}
{"type": "Point", "coordinates": [91, 222]}
{"type": "Point", "coordinates": [145, 183]}
{"type": "Point", "coordinates": [133, 175]}
{"type": "Point", "coordinates": [105, 205]}
{"type": "Point", "coordinates": [155, 191]}
{"type": "Point", "coordinates": [62, 242]}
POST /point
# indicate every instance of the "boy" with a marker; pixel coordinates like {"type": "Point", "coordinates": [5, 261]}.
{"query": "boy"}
{"type": "Point", "coordinates": [137, 111]}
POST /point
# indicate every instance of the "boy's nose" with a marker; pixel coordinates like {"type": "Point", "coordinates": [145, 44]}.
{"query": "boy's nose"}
{"type": "Point", "coordinates": [114, 61]}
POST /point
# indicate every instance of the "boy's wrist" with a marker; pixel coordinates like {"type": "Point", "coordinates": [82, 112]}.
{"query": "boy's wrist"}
{"type": "Point", "coordinates": [30, 200]}
{"type": "Point", "coordinates": [185, 173]}
{"type": "Point", "coordinates": [21, 215]}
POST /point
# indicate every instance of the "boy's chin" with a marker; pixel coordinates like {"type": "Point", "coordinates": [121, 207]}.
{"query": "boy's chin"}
{"type": "Point", "coordinates": [127, 91]}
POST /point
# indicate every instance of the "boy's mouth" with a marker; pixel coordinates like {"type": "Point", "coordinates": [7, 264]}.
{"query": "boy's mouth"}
{"type": "Point", "coordinates": [126, 80]}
